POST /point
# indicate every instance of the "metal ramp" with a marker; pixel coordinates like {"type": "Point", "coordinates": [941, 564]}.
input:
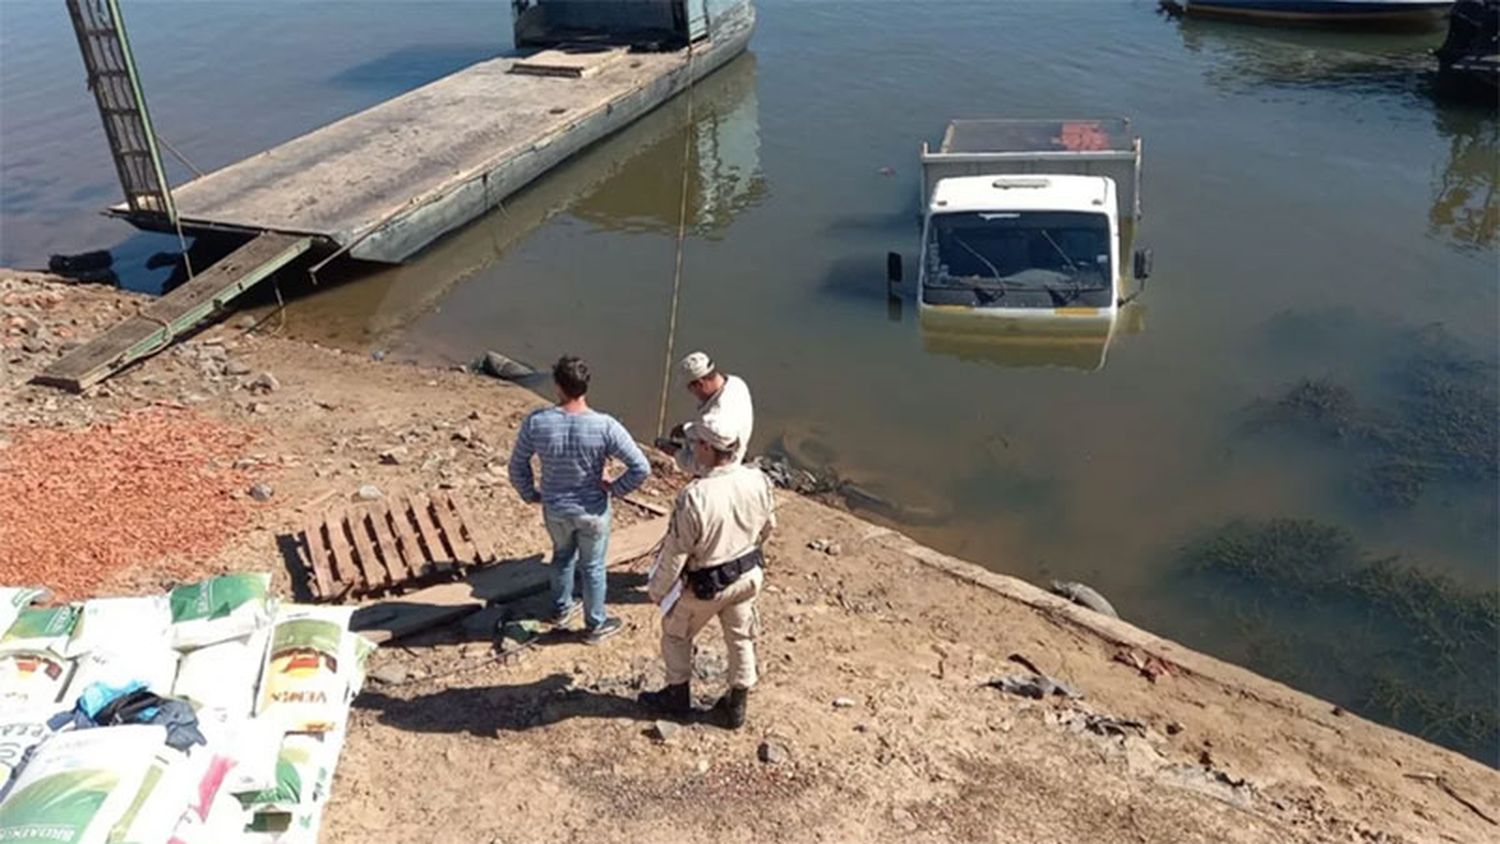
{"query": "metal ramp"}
{"type": "Point", "coordinates": [122, 107]}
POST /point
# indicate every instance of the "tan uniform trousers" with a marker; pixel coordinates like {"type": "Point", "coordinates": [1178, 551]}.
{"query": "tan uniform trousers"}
{"type": "Point", "coordinates": [735, 608]}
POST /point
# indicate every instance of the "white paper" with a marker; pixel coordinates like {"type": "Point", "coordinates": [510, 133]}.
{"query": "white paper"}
{"type": "Point", "coordinates": [670, 600]}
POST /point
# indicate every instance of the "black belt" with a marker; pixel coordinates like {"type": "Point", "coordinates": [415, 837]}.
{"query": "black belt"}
{"type": "Point", "coordinates": [708, 583]}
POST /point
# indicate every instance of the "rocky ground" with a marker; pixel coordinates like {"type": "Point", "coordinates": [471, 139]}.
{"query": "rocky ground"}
{"type": "Point", "coordinates": [879, 716]}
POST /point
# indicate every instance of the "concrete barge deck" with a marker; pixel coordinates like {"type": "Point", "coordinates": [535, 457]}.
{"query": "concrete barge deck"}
{"type": "Point", "coordinates": [384, 183]}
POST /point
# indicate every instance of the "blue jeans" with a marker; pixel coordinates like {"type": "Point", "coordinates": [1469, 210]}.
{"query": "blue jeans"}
{"type": "Point", "coordinates": [579, 544]}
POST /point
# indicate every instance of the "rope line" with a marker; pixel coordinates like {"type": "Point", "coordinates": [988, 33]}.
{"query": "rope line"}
{"type": "Point", "coordinates": [687, 151]}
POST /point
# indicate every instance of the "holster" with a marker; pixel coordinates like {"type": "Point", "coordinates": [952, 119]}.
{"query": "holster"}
{"type": "Point", "coordinates": [708, 583]}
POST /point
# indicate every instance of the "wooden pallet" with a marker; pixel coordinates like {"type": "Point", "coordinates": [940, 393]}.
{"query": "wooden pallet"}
{"type": "Point", "coordinates": [402, 541]}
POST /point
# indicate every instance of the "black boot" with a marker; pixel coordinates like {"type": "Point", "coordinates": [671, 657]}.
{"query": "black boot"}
{"type": "Point", "coordinates": [729, 712]}
{"type": "Point", "coordinates": [675, 700]}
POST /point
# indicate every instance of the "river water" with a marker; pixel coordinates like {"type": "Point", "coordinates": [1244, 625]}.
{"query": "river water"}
{"type": "Point", "coordinates": [1317, 210]}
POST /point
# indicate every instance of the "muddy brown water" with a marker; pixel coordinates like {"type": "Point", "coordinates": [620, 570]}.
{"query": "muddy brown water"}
{"type": "Point", "coordinates": [1317, 208]}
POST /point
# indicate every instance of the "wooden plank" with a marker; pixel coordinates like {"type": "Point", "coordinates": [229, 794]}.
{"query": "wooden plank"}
{"type": "Point", "coordinates": [452, 525]}
{"type": "Point", "coordinates": [411, 550]}
{"type": "Point", "coordinates": [388, 544]}
{"type": "Point", "coordinates": [440, 557]}
{"type": "Point", "coordinates": [484, 543]}
{"type": "Point", "coordinates": [649, 507]}
{"type": "Point", "coordinates": [157, 325]}
{"type": "Point", "coordinates": [343, 556]}
{"type": "Point", "coordinates": [317, 552]}
{"type": "Point", "coordinates": [570, 62]}
{"type": "Point", "coordinates": [509, 580]}
{"type": "Point", "coordinates": [375, 571]}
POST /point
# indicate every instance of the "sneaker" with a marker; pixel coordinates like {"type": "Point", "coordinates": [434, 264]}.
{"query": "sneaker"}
{"type": "Point", "coordinates": [562, 618]}
{"type": "Point", "coordinates": [607, 628]}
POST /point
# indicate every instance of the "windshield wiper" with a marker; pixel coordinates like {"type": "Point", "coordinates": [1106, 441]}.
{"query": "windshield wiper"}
{"type": "Point", "coordinates": [994, 270]}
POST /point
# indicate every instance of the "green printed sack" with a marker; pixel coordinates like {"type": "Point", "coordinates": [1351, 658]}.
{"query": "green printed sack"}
{"type": "Point", "coordinates": [216, 610]}
{"type": "Point", "coordinates": [41, 629]}
{"type": "Point", "coordinates": [304, 773]}
{"type": "Point", "coordinates": [310, 668]}
{"type": "Point", "coordinates": [14, 599]}
{"type": "Point", "coordinates": [79, 785]}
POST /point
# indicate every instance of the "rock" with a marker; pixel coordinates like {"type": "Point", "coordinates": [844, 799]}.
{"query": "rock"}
{"type": "Point", "coordinates": [843, 703]}
{"type": "Point", "coordinates": [368, 492]}
{"type": "Point", "coordinates": [703, 766]}
{"type": "Point", "coordinates": [504, 368]}
{"type": "Point", "coordinates": [834, 549]}
{"type": "Point", "coordinates": [236, 367]}
{"type": "Point", "coordinates": [259, 407]}
{"type": "Point", "coordinates": [663, 731]}
{"type": "Point", "coordinates": [378, 354]}
{"type": "Point", "coordinates": [245, 323]}
{"type": "Point", "coordinates": [390, 674]}
{"type": "Point", "coordinates": [262, 492]}
{"type": "Point", "coordinates": [395, 456]}
{"type": "Point", "coordinates": [771, 753]}
{"type": "Point", "coordinates": [34, 345]}
{"type": "Point", "coordinates": [464, 434]}
{"type": "Point", "coordinates": [1173, 728]}
{"type": "Point", "coordinates": [263, 383]}
{"type": "Point", "coordinates": [818, 545]}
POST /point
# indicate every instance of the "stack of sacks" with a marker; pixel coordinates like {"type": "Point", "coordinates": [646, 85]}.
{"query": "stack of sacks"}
{"type": "Point", "coordinates": [269, 684]}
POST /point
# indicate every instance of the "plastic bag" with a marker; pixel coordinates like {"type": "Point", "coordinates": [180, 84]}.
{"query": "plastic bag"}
{"type": "Point", "coordinates": [14, 599]}
{"type": "Point", "coordinates": [223, 677]}
{"type": "Point", "coordinates": [304, 773]}
{"type": "Point", "coordinates": [17, 739]}
{"type": "Point", "coordinates": [118, 624]}
{"type": "Point", "coordinates": [78, 785]}
{"type": "Point", "coordinates": [311, 667]}
{"type": "Point", "coordinates": [158, 805]}
{"type": "Point", "coordinates": [41, 629]}
{"type": "Point", "coordinates": [216, 610]}
{"type": "Point", "coordinates": [154, 666]}
{"type": "Point", "coordinates": [33, 681]}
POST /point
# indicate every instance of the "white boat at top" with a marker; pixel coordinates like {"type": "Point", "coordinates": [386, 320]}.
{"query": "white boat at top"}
{"type": "Point", "coordinates": [1325, 11]}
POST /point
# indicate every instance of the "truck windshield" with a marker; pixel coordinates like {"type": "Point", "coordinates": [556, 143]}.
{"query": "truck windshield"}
{"type": "Point", "coordinates": [1018, 259]}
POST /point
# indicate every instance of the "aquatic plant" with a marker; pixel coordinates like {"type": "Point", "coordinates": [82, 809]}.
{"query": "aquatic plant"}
{"type": "Point", "coordinates": [1438, 420]}
{"type": "Point", "coordinates": [1401, 644]}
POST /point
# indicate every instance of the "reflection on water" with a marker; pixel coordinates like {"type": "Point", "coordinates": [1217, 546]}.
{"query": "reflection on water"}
{"type": "Point", "coordinates": [630, 183]}
{"type": "Point", "coordinates": [1068, 342]}
{"type": "Point", "coordinates": [1248, 58]}
{"type": "Point", "coordinates": [1466, 201]}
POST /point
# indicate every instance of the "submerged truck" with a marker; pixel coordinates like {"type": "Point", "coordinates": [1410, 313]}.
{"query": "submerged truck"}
{"type": "Point", "coordinates": [1026, 229]}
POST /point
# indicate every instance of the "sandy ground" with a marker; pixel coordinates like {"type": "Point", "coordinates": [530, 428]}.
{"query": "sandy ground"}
{"type": "Point", "coordinates": [874, 710]}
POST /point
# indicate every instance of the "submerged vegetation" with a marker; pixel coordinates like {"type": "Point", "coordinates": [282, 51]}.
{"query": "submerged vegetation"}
{"type": "Point", "coordinates": [1426, 651]}
{"type": "Point", "coordinates": [1435, 417]}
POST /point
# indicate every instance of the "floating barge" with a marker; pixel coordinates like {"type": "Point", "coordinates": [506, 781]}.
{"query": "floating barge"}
{"type": "Point", "coordinates": [382, 184]}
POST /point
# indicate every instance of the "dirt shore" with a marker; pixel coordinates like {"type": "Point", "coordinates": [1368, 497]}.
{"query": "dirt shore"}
{"type": "Point", "coordinates": [875, 710]}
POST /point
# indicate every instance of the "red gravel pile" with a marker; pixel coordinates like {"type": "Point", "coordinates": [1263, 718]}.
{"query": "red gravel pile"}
{"type": "Point", "coordinates": [78, 505]}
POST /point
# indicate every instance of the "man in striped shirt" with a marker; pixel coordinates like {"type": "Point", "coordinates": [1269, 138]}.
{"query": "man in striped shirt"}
{"type": "Point", "coordinates": [573, 443]}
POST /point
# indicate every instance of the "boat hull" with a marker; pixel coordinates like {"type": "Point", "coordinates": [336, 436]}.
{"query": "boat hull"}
{"type": "Point", "coordinates": [1376, 12]}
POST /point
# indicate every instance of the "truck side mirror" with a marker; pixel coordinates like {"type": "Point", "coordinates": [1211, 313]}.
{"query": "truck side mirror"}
{"type": "Point", "coordinates": [893, 268]}
{"type": "Point", "coordinates": [1143, 262]}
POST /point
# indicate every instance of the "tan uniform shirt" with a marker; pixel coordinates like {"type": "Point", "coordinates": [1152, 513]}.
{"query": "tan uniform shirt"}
{"type": "Point", "coordinates": [718, 517]}
{"type": "Point", "coordinates": [732, 413]}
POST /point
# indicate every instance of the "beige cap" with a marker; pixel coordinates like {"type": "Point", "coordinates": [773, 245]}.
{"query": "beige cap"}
{"type": "Point", "coordinates": [696, 365]}
{"type": "Point", "coordinates": [710, 431]}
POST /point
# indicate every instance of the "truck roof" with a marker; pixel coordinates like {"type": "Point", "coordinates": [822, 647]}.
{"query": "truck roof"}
{"type": "Point", "coordinates": [1091, 135]}
{"type": "Point", "coordinates": [1024, 193]}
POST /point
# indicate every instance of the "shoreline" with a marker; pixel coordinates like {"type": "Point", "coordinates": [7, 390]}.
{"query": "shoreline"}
{"type": "Point", "coordinates": [1185, 747]}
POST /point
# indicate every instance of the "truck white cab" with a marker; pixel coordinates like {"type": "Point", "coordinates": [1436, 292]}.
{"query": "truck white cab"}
{"type": "Point", "coordinates": [1028, 223]}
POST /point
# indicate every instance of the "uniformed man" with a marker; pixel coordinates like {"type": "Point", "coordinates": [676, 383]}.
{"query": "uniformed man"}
{"type": "Point", "coordinates": [710, 566]}
{"type": "Point", "coordinates": [723, 398]}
